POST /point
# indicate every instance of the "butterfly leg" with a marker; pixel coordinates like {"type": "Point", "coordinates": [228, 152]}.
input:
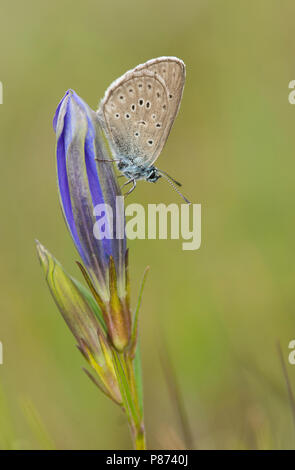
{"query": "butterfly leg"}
{"type": "Point", "coordinates": [127, 182]}
{"type": "Point", "coordinates": [133, 181]}
{"type": "Point", "coordinates": [132, 189]}
{"type": "Point", "coordinates": [110, 161]}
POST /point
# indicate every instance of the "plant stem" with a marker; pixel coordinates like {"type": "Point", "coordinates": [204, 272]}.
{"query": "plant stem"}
{"type": "Point", "coordinates": [135, 420]}
{"type": "Point", "coordinates": [139, 439]}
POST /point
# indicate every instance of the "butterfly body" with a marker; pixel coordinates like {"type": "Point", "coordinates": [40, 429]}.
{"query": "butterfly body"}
{"type": "Point", "coordinates": [134, 171]}
{"type": "Point", "coordinates": [137, 113]}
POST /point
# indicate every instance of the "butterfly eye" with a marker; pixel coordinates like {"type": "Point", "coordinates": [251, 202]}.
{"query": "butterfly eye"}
{"type": "Point", "coordinates": [148, 105]}
{"type": "Point", "coordinates": [158, 125]}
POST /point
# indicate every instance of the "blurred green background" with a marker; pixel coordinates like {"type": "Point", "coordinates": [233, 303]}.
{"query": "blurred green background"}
{"type": "Point", "coordinates": [222, 309]}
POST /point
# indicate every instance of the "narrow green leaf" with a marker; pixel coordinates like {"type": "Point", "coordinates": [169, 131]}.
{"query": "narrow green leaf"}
{"type": "Point", "coordinates": [136, 313]}
{"type": "Point", "coordinates": [100, 385]}
{"type": "Point", "coordinates": [125, 391]}
{"type": "Point", "coordinates": [36, 424]}
{"type": "Point", "coordinates": [121, 386]}
{"type": "Point", "coordinates": [138, 378]}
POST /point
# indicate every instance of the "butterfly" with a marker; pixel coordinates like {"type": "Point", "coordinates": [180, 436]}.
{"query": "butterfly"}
{"type": "Point", "coordinates": [137, 113]}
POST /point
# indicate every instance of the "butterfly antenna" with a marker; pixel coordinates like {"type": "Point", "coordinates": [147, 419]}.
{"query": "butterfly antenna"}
{"type": "Point", "coordinates": [171, 182]}
{"type": "Point", "coordinates": [170, 177]}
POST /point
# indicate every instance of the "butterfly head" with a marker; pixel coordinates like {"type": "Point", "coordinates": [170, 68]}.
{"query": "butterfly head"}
{"type": "Point", "coordinates": [138, 172]}
{"type": "Point", "coordinates": [152, 175]}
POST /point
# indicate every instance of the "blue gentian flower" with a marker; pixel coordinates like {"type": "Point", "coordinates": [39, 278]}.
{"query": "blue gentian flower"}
{"type": "Point", "coordinates": [98, 315]}
{"type": "Point", "coordinates": [86, 179]}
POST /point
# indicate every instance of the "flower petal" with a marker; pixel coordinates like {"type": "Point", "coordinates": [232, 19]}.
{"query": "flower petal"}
{"type": "Point", "coordinates": [83, 184]}
{"type": "Point", "coordinates": [73, 306]}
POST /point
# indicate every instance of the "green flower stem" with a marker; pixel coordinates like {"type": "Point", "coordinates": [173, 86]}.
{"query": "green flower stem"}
{"type": "Point", "coordinates": [124, 366]}
{"type": "Point", "coordinates": [138, 431]}
{"type": "Point", "coordinates": [140, 440]}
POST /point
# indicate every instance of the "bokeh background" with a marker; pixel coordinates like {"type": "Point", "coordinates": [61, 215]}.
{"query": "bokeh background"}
{"type": "Point", "coordinates": [221, 309]}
